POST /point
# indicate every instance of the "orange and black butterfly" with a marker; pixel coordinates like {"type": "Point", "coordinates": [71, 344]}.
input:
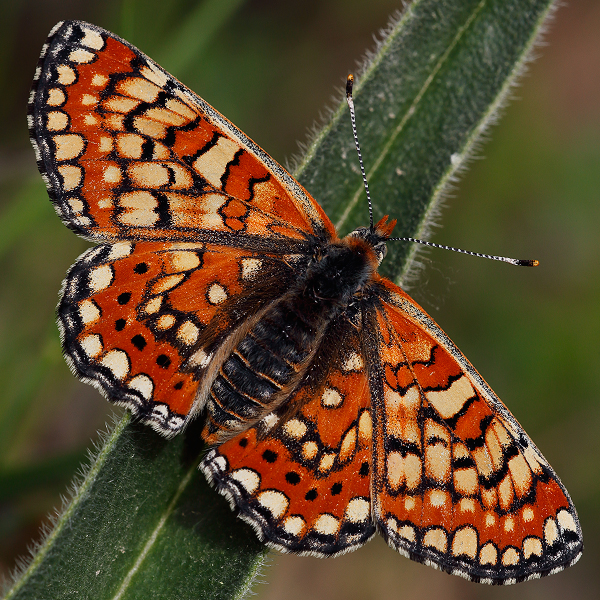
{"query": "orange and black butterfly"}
{"type": "Point", "coordinates": [334, 406]}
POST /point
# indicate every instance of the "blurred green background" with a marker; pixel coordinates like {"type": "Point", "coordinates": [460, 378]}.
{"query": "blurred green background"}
{"type": "Point", "coordinates": [271, 67]}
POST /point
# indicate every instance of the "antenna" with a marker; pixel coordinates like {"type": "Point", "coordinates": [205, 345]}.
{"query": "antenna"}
{"type": "Point", "coordinates": [512, 261]}
{"type": "Point", "coordinates": [350, 101]}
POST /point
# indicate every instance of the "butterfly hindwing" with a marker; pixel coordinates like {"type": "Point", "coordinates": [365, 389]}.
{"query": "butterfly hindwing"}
{"type": "Point", "coordinates": [457, 482]}
{"type": "Point", "coordinates": [303, 481]}
{"type": "Point", "coordinates": [137, 320]}
{"type": "Point", "coordinates": [128, 152]}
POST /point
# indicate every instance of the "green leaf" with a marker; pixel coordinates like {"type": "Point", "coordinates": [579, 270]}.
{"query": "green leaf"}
{"type": "Point", "coordinates": [143, 523]}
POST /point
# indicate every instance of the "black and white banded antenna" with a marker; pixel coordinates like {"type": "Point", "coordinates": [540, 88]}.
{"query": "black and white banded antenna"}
{"type": "Point", "coordinates": [506, 259]}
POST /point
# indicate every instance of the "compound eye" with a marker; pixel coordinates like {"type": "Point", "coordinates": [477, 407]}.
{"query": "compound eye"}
{"type": "Point", "coordinates": [380, 250]}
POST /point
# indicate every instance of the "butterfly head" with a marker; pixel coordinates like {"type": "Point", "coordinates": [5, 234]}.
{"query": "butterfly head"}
{"type": "Point", "coordinates": [376, 236]}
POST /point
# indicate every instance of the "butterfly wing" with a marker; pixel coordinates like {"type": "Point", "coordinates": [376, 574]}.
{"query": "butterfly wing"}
{"type": "Point", "coordinates": [302, 478]}
{"type": "Point", "coordinates": [129, 153]}
{"type": "Point", "coordinates": [136, 319]}
{"type": "Point", "coordinates": [457, 483]}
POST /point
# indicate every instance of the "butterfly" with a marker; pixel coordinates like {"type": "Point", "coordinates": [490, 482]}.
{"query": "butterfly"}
{"type": "Point", "coordinates": [334, 406]}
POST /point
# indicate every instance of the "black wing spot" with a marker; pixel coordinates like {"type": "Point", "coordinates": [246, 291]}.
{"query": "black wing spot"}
{"type": "Point", "coordinates": [124, 298]}
{"type": "Point", "coordinates": [269, 456]}
{"type": "Point", "coordinates": [138, 341]}
{"type": "Point", "coordinates": [162, 360]}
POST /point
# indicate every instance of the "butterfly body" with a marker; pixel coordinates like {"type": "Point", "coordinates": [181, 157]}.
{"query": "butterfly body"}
{"type": "Point", "coordinates": [335, 406]}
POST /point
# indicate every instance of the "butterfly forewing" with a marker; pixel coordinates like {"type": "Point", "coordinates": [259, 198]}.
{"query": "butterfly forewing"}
{"type": "Point", "coordinates": [128, 152]}
{"type": "Point", "coordinates": [456, 481]}
{"type": "Point", "coordinates": [334, 405]}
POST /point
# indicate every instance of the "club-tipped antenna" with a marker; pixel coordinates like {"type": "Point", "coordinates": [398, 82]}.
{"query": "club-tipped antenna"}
{"type": "Point", "coordinates": [506, 259]}
{"type": "Point", "coordinates": [350, 101]}
{"type": "Point", "coordinates": [512, 261]}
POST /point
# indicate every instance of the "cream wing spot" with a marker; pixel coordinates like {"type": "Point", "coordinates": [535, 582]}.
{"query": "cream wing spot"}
{"type": "Point", "coordinates": [56, 97]}
{"type": "Point", "coordinates": [188, 333]}
{"type": "Point", "coordinates": [466, 505]}
{"type": "Point", "coordinates": [89, 99]}
{"type": "Point", "coordinates": [510, 557]}
{"type": "Point", "coordinates": [184, 261]}
{"type": "Point", "coordinates": [88, 311]}
{"type": "Point", "coordinates": [81, 56]}
{"type": "Point", "coordinates": [436, 538]}
{"type": "Point", "coordinates": [165, 322]}
{"type": "Point", "coordinates": [395, 470]}
{"type": "Point", "coordinates": [531, 546]}
{"type": "Point", "coordinates": [247, 478]}
{"type": "Point", "coordinates": [358, 510]}
{"type": "Point", "coordinates": [71, 176]}
{"type": "Point", "coordinates": [407, 532]}
{"type": "Point", "coordinates": [353, 362]}
{"type": "Point", "coordinates": [437, 461]}
{"type": "Point", "coordinates": [119, 104]}
{"type": "Point", "coordinates": [294, 525]}
{"type": "Point", "coordinates": [550, 531]}
{"type": "Point", "coordinates": [217, 294]}
{"type": "Point", "coordinates": [331, 398]}
{"type": "Point", "coordinates": [449, 402]}
{"type": "Point", "coordinates": [438, 498]}
{"type": "Point", "coordinates": [76, 204]}
{"type": "Point", "coordinates": [528, 514]}
{"type": "Point", "coordinates": [413, 469]}
{"type": "Point", "coordinates": [117, 362]}
{"type": "Point", "coordinates": [409, 503]}
{"type": "Point", "coordinates": [91, 345]}
{"type": "Point", "coordinates": [465, 481]}
{"type": "Point", "coordinates": [200, 358]}
{"type": "Point", "coordinates": [142, 89]}
{"type": "Point", "coordinates": [100, 278]}
{"type": "Point", "coordinates": [365, 427]}
{"type": "Point", "coordinates": [56, 120]}
{"type": "Point", "coordinates": [120, 250]}
{"type": "Point", "coordinates": [326, 462]}
{"type": "Point", "coordinates": [129, 145]}
{"type": "Point", "coordinates": [92, 39]}
{"type": "Point", "coordinates": [274, 501]}
{"type": "Point", "coordinates": [211, 165]}
{"type": "Point", "coordinates": [250, 267]}
{"type": "Point", "coordinates": [105, 144]}
{"type": "Point", "coordinates": [66, 75]}
{"type": "Point", "coordinates": [488, 554]}
{"type": "Point", "coordinates": [509, 524]}
{"type": "Point", "coordinates": [295, 428]}
{"type": "Point", "coordinates": [465, 542]}
{"type": "Point", "coordinates": [326, 524]}
{"type": "Point", "coordinates": [154, 74]}
{"type": "Point", "coordinates": [167, 283]}
{"type": "Point", "coordinates": [144, 385]}
{"type": "Point", "coordinates": [309, 450]}
{"type": "Point", "coordinates": [149, 174]}
{"type": "Point", "coordinates": [99, 80]}
{"type": "Point", "coordinates": [153, 306]}
{"type": "Point", "coordinates": [348, 445]}
{"type": "Point", "coordinates": [112, 174]}
{"type": "Point", "coordinates": [566, 521]}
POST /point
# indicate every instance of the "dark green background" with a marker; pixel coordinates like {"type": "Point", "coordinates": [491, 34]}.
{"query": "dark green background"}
{"type": "Point", "coordinates": [533, 334]}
